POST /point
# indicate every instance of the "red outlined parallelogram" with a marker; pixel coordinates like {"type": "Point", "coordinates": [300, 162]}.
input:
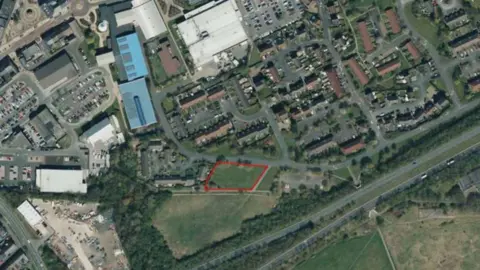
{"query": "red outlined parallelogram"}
{"type": "Point", "coordinates": [248, 189]}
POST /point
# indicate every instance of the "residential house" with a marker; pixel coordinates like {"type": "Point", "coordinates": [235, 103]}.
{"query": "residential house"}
{"type": "Point", "coordinates": [214, 133]}
{"type": "Point", "coordinates": [192, 99]}
{"type": "Point", "coordinates": [253, 133]}
{"type": "Point", "coordinates": [413, 51]}
{"type": "Point", "coordinates": [216, 93]}
{"type": "Point", "coordinates": [388, 67]}
{"type": "Point", "coordinates": [352, 146]}
{"type": "Point", "coordinates": [335, 82]}
{"type": "Point", "coordinates": [319, 146]}
{"type": "Point", "coordinates": [358, 71]}
{"type": "Point", "coordinates": [393, 21]}
{"type": "Point", "coordinates": [365, 36]}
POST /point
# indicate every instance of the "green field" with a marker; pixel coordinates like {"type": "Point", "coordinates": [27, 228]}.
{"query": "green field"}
{"type": "Point", "coordinates": [267, 180]}
{"type": "Point", "coordinates": [233, 176]}
{"type": "Point", "coordinates": [192, 222]}
{"type": "Point", "coordinates": [156, 68]}
{"type": "Point", "coordinates": [360, 253]}
{"type": "Point", "coordinates": [423, 26]}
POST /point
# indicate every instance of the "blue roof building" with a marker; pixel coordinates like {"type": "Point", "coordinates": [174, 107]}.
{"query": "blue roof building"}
{"type": "Point", "coordinates": [137, 103]}
{"type": "Point", "coordinates": [132, 56]}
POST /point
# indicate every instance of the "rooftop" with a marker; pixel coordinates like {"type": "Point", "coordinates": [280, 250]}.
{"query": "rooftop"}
{"type": "Point", "coordinates": [367, 41]}
{"type": "Point", "coordinates": [145, 15]}
{"type": "Point", "coordinates": [393, 20]}
{"type": "Point", "coordinates": [212, 31]}
{"type": "Point", "coordinates": [61, 180]}
{"type": "Point", "coordinates": [413, 50]}
{"type": "Point", "coordinates": [132, 56]}
{"type": "Point", "coordinates": [55, 71]}
{"type": "Point", "coordinates": [137, 103]}
{"type": "Point", "coordinates": [358, 71]}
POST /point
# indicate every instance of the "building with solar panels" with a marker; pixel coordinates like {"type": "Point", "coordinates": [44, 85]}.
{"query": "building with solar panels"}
{"type": "Point", "coordinates": [135, 94]}
{"type": "Point", "coordinates": [131, 56]}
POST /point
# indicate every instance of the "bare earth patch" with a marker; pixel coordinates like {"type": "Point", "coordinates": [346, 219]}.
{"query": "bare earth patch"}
{"type": "Point", "coordinates": [435, 242]}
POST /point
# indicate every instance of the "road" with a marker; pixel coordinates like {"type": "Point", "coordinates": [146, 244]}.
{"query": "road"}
{"type": "Point", "coordinates": [371, 191]}
{"type": "Point", "coordinates": [20, 233]}
{"type": "Point", "coordinates": [371, 203]}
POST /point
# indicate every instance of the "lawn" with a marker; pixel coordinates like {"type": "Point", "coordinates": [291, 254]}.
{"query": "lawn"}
{"type": "Point", "coordinates": [191, 222]}
{"type": "Point", "coordinates": [436, 243]}
{"type": "Point", "coordinates": [459, 90]}
{"type": "Point", "coordinates": [254, 56]}
{"type": "Point", "coordinates": [264, 93]}
{"type": "Point", "coordinates": [342, 173]}
{"type": "Point", "coordinates": [156, 68]}
{"type": "Point", "coordinates": [233, 176]}
{"type": "Point", "coordinates": [423, 26]}
{"type": "Point", "coordinates": [360, 253]}
{"type": "Point", "coordinates": [267, 181]}
{"type": "Point", "coordinates": [252, 109]}
{"type": "Point", "coordinates": [168, 104]}
{"type": "Point", "coordinates": [224, 148]}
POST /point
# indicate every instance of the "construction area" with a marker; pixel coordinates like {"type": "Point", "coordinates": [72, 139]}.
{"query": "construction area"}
{"type": "Point", "coordinates": [83, 238]}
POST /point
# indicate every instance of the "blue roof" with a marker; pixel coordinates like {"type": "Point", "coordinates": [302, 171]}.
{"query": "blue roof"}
{"type": "Point", "coordinates": [132, 56]}
{"type": "Point", "coordinates": [137, 103]}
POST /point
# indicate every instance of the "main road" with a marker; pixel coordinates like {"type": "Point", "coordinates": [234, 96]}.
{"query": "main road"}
{"type": "Point", "coordinates": [16, 227]}
{"type": "Point", "coordinates": [374, 190]}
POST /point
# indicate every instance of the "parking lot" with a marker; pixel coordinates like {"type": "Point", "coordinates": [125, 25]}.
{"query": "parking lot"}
{"type": "Point", "coordinates": [17, 101]}
{"type": "Point", "coordinates": [262, 17]}
{"type": "Point", "coordinates": [82, 97]}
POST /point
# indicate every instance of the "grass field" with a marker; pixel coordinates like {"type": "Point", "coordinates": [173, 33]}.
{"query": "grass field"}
{"type": "Point", "coordinates": [233, 176]}
{"type": "Point", "coordinates": [267, 181]}
{"type": "Point", "coordinates": [190, 223]}
{"type": "Point", "coordinates": [156, 68]}
{"type": "Point", "coordinates": [360, 253]}
{"type": "Point", "coordinates": [424, 27]}
{"type": "Point", "coordinates": [436, 242]}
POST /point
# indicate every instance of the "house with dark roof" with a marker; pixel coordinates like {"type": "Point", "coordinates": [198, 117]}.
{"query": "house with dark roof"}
{"type": "Point", "coordinates": [192, 99]}
{"type": "Point", "coordinates": [456, 19]}
{"type": "Point", "coordinates": [216, 93]}
{"type": "Point", "coordinates": [253, 133]}
{"type": "Point", "coordinates": [320, 145]}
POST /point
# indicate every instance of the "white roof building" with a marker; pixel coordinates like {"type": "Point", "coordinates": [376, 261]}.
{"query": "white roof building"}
{"type": "Point", "coordinates": [105, 59]}
{"type": "Point", "coordinates": [144, 14]}
{"type": "Point", "coordinates": [30, 214]}
{"type": "Point", "coordinates": [104, 133]}
{"type": "Point", "coordinates": [212, 31]}
{"type": "Point", "coordinates": [61, 180]}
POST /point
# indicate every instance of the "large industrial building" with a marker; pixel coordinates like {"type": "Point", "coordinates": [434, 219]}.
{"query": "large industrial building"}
{"type": "Point", "coordinates": [61, 180]}
{"type": "Point", "coordinates": [137, 103]}
{"type": "Point", "coordinates": [56, 71]}
{"type": "Point", "coordinates": [211, 29]}
{"type": "Point", "coordinates": [131, 55]}
{"type": "Point", "coordinates": [144, 14]}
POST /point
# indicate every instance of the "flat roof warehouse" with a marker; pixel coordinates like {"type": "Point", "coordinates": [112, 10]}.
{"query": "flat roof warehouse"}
{"type": "Point", "coordinates": [212, 29]}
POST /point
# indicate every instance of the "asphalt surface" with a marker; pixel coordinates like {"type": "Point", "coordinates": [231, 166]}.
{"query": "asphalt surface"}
{"type": "Point", "coordinates": [20, 233]}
